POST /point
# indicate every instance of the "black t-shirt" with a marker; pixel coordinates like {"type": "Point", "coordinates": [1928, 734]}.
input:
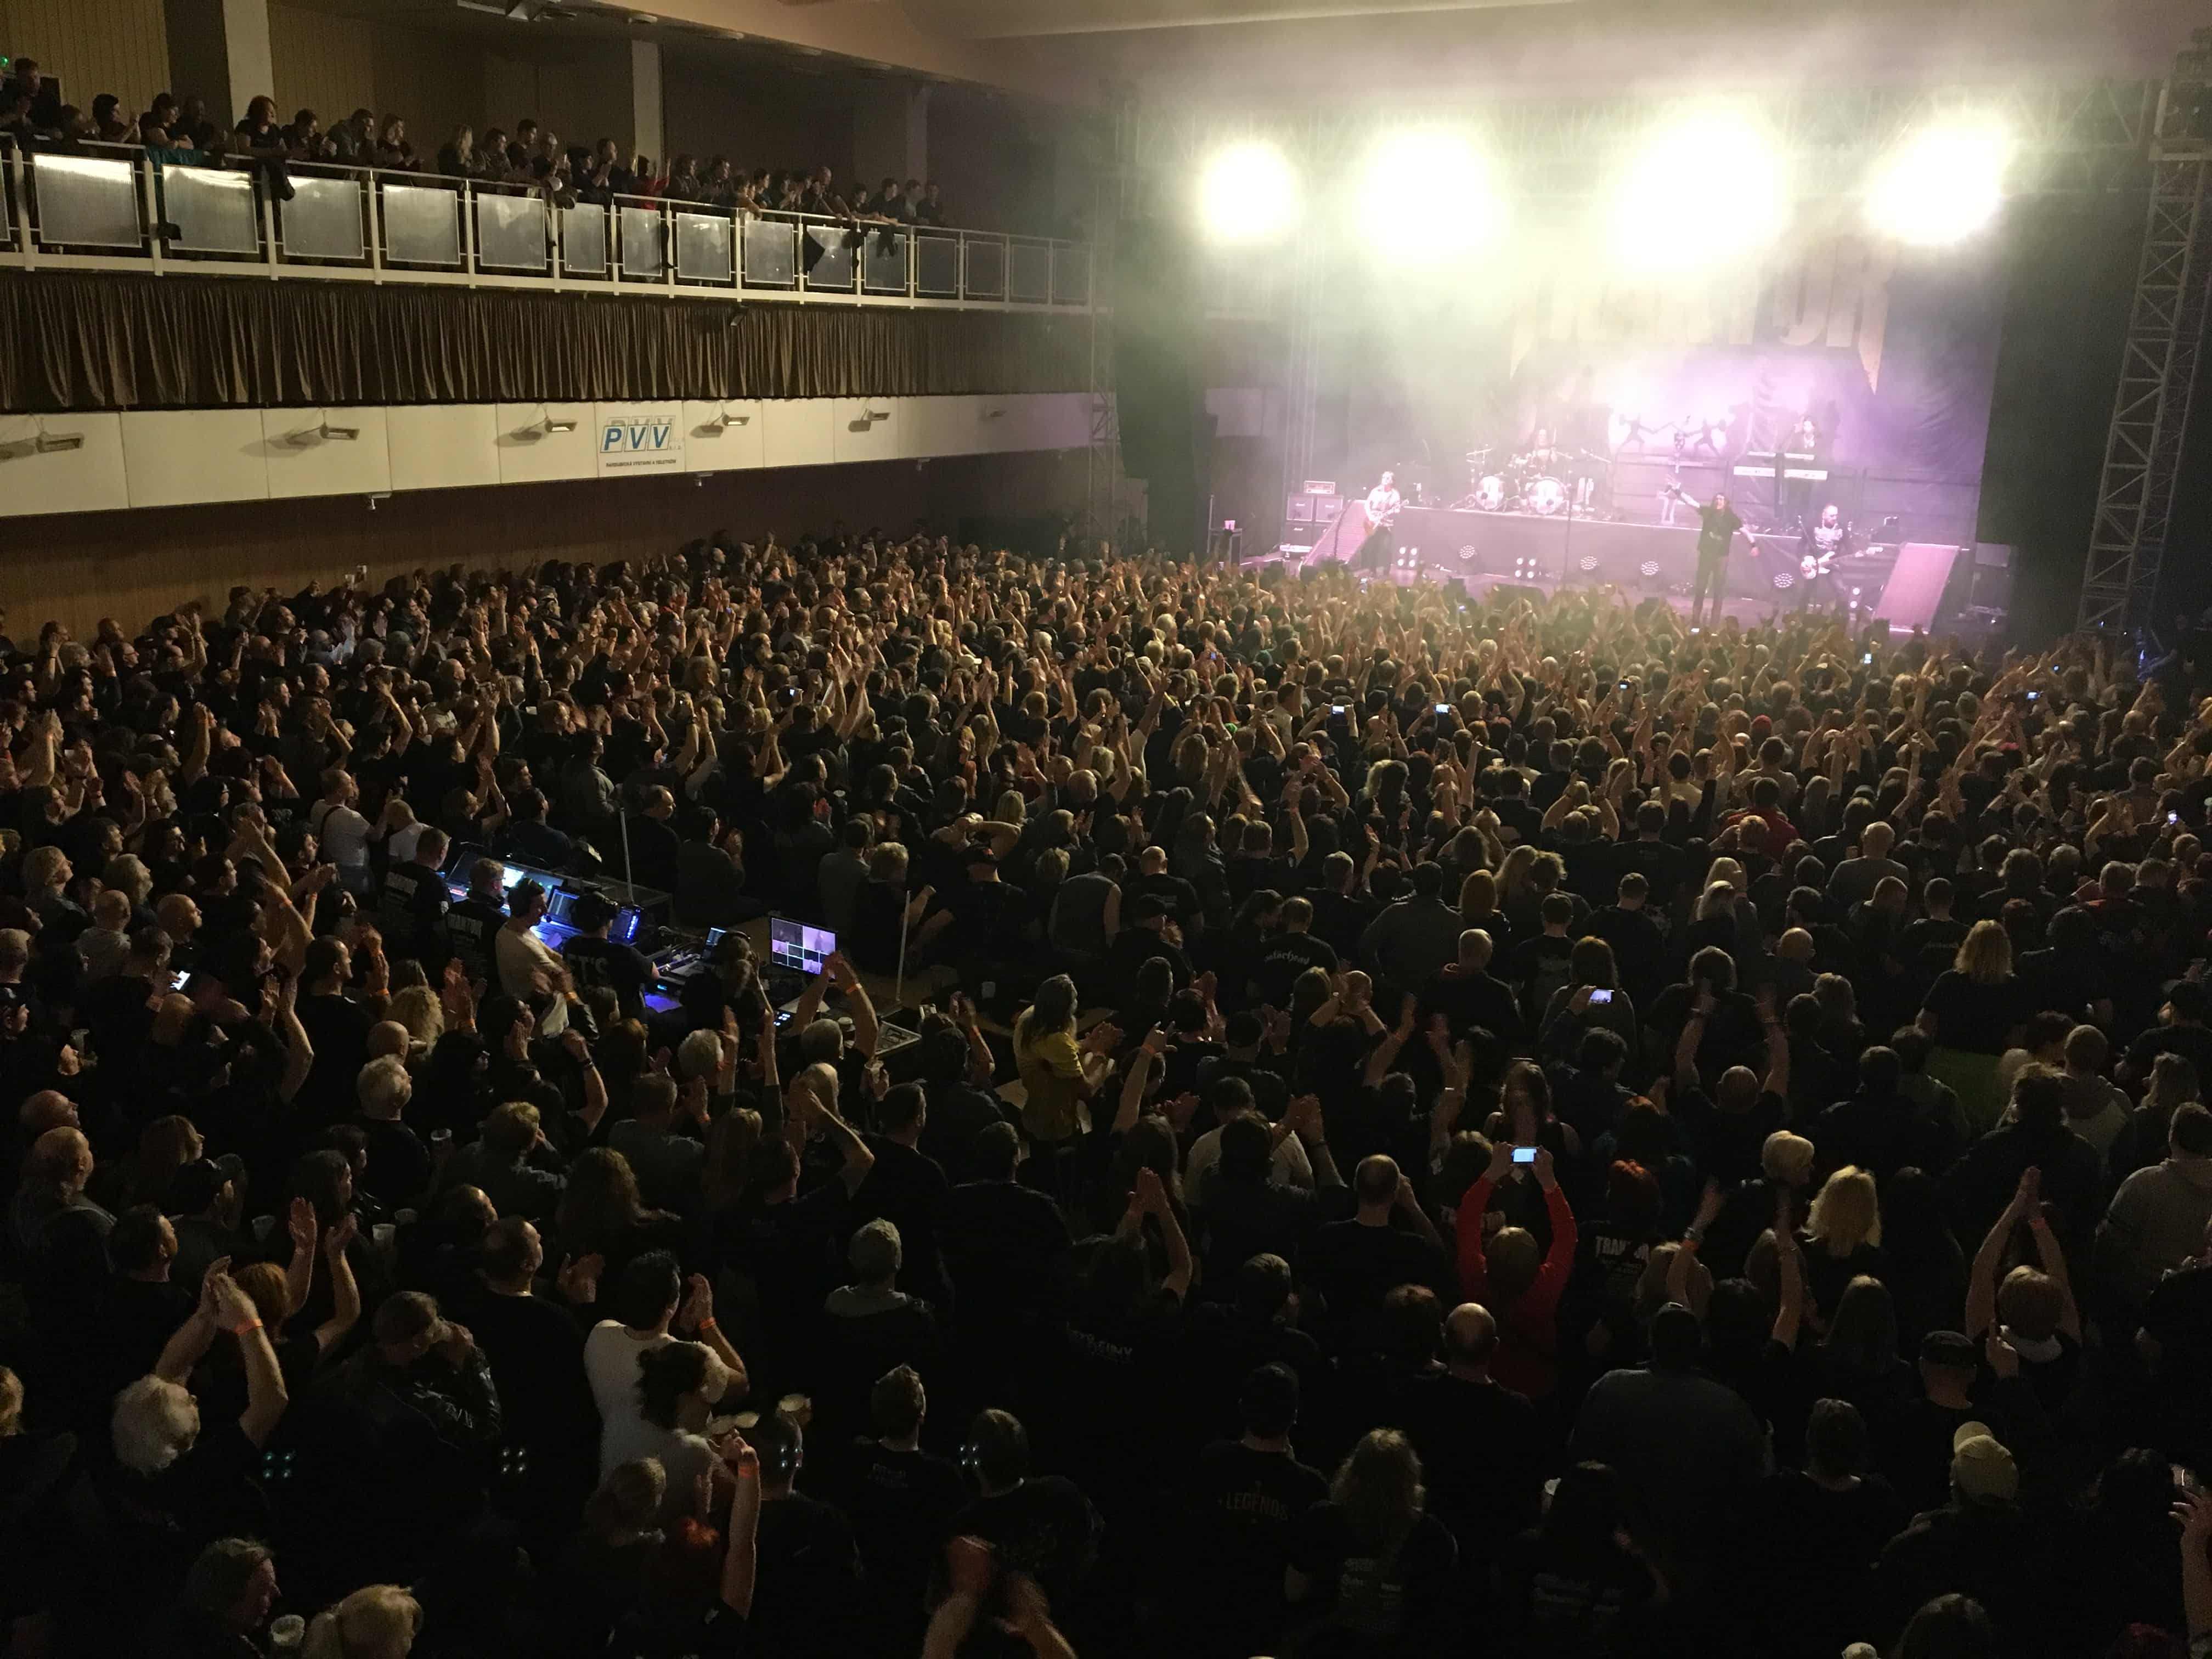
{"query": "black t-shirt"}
{"type": "Point", "coordinates": [399, 1168]}
{"type": "Point", "coordinates": [808, 1574]}
{"type": "Point", "coordinates": [1045, 1527]}
{"type": "Point", "coordinates": [1482, 1459]}
{"type": "Point", "coordinates": [1975, 1016]}
{"type": "Point", "coordinates": [990, 917]}
{"type": "Point", "coordinates": [1578, 1606]}
{"type": "Point", "coordinates": [411, 910]}
{"type": "Point", "coordinates": [1719, 525]}
{"type": "Point", "coordinates": [901, 1505]}
{"type": "Point", "coordinates": [1356, 1265]}
{"type": "Point", "coordinates": [1375, 1597]}
{"type": "Point", "coordinates": [598, 962]}
{"type": "Point", "coordinates": [1239, 1510]}
{"type": "Point", "coordinates": [958, 1113]}
{"type": "Point", "coordinates": [536, 1352]}
{"type": "Point", "coordinates": [1287, 956]}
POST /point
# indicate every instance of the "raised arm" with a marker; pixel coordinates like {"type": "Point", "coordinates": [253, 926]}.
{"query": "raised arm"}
{"type": "Point", "coordinates": [345, 1293]}
{"type": "Point", "coordinates": [265, 1398]}
{"type": "Point", "coordinates": [1789, 1261]}
{"type": "Point", "coordinates": [741, 1553]}
{"type": "Point", "coordinates": [1981, 1281]}
{"type": "Point", "coordinates": [865, 1028]}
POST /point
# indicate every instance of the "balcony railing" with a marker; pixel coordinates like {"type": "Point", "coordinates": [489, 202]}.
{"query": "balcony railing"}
{"type": "Point", "coordinates": [111, 208]}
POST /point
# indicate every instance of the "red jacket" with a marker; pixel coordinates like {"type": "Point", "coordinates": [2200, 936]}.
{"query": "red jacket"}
{"type": "Point", "coordinates": [1526, 1360]}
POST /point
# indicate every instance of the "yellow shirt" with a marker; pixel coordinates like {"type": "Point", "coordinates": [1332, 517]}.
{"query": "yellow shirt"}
{"type": "Point", "coordinates": [1052, 1073]}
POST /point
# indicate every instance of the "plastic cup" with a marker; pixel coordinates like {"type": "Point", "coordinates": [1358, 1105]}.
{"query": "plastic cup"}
{"type": "Point", "coordinates": [287, 1634]}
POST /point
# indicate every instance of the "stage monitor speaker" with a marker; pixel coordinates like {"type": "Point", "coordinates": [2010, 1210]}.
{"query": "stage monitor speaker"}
{"type": "Point", "coordinates": [1992, 576]}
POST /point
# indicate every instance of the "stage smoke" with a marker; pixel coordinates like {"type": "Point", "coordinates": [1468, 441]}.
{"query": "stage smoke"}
{"type": "Point", "coordinates": [1410, 174]}
{"type": "Point", "coordinates": [1247, 193]}
{"type": "Point", "coordinates": [1706, 187]}
{"type": "Point", "coordinates": [1942, 185]}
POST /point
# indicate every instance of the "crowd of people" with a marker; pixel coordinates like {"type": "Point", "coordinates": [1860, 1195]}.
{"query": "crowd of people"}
{"type": "Point", "coordinates": [180, 132]}
{"type": "Point", "coordinates": [1434, 1124]}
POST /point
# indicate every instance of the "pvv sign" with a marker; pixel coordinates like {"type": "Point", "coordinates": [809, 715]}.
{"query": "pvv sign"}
{"type": "Point", "coordinates": [639, 438]}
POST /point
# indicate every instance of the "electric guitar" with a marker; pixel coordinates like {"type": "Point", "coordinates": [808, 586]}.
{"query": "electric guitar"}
{"type": "Point", "coordinates": [1828, 543]}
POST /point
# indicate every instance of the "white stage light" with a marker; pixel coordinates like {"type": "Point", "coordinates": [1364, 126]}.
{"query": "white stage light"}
{"type": "Point", "coordinates": [1943, 184]}
{"type": "Point", "coordinates": [1248, 193]}
{"type": "Point", "coordinates": [1704, 188]}
{"type": "Point", "coordinates": [1434, 189]}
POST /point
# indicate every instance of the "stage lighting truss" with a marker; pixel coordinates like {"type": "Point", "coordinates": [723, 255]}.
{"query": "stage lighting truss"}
{"type": "Point", "coordinates": [2075, 135]}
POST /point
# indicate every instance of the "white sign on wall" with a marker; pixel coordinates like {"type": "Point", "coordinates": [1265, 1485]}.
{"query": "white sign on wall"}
{"type": "Point", "coordinates": [632, 438]}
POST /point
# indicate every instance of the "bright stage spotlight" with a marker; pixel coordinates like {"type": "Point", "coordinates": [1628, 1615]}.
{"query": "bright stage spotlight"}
{"type": "Point", "coordinates": [1247, 193]}
{"type": "Point", "coordinates": [1942, 185]}
{"type": "Point", "coordinates": [1413, 173]}
{"type": "Point", "coordinates": [1703, 188]}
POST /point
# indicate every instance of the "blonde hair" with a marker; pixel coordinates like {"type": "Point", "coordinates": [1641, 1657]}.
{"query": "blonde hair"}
{"type": "Point", "coordinates": [155, 1424]}
{"type": "Point", "coordinates": [377, 1621]}
{"type": "Point", "coordinates": [1847, 1213]}
{"type": "Point", "coordinates": [128, 872]}
{"type": "Point", "coordinates": [1513, 875]}
{"type": "Point", "coordinates": [418, 1008]}
{"type": "Point", "coordinates": [384, 1085]}
{"type": "Point", "coordinates": [11, 1402]}
{"type": "Point", "coordinates": [1985, 954]}
{"type": "Point", "coordinates": [1786, 1157]}
{"type": "Point", "coordinates": [42, 867]}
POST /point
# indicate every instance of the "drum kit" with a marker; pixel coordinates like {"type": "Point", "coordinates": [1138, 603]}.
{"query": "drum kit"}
{"type": "Point", "coordinates": [1544, 481]}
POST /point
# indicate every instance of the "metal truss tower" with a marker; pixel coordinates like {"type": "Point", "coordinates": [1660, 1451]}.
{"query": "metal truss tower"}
{"type": "Point", "coordinates": [2158, 371]}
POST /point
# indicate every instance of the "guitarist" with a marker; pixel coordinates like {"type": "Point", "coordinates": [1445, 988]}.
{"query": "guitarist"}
{"type": "Point", "coordinates": [1827, 539]}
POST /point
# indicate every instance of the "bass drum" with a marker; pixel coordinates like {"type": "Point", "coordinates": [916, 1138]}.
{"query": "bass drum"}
{"type": "Point", "coordinates": [1546, 496]}
{"type": "Point", "coordinates": [1489, 494]}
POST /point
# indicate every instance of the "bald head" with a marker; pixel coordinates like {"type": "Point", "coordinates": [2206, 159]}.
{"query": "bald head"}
{"type": "Point", "coordinates": [49, 1108]}
{"type": "Point", "coordinates": [61, 1155]}
{"type": "Point", "coordinates": [387, 1037]}
{"type": "Point", "coordinates": [1470, 1336]}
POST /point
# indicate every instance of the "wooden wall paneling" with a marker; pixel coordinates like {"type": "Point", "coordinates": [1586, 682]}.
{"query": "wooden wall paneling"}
{"type": "Point", "coordinates": [323, 62]}
{"type": "Point", "coordinates": [120, 46]}
{"type": "Point", "coordinates": [77, 567]}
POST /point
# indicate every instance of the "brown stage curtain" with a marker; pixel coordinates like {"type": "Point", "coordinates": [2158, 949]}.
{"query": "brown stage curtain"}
{"type": "Point", "coordinates": [82, 340]}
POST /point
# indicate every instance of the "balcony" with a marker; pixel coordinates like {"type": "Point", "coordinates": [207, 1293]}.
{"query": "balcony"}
{"type": "Point", "coordinates": [114, 209]}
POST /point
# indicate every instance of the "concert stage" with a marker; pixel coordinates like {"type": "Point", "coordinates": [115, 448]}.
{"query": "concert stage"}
{"type": "Point", "coordinates": [1904, 585]}
{"type": "Point", "coordinates": [1653, 557]}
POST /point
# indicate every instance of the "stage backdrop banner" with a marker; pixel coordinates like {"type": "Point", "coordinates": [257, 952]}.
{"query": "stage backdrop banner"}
{"type": "Point", "coordinates": [1891, 351]}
